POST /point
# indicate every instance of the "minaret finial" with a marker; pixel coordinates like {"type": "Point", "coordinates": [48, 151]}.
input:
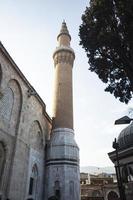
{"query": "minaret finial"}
{"type": "Point", "coordinates": [64, 30]}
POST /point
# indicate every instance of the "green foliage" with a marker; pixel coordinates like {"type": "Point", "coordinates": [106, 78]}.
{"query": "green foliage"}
{"type": "Point", "coordinates": [106, 34]}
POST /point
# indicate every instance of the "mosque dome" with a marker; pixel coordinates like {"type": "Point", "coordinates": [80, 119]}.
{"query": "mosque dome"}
{"type": "Point", "coordinates": [125, 138]}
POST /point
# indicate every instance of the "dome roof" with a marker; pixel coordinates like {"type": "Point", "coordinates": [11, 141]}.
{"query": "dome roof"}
{"type": "Point", "coordinates": [125, 138]}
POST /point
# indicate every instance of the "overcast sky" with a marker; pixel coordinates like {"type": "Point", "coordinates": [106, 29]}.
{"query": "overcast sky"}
{"type": "Point", "coordinates": [28, 30]}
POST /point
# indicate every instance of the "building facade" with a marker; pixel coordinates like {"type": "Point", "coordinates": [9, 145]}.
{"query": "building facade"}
{"type": "Point", "coordinates": [98, 187]}
{"type": "Point", "coordinates": [24, 130]}
{"type": "Point", "coordinates": [125, 159]}
{"type": "Point", "coordinates": [26, 137]}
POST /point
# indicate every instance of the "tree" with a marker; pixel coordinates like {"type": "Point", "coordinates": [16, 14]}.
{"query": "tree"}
{"type": "Point", "coordinates": [106, 34]}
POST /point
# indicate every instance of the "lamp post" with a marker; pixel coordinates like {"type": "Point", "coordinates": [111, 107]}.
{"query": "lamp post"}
{"type": "Point", "coordinates": [118, 172]}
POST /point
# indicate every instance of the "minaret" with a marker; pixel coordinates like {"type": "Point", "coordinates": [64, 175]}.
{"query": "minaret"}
{"type": "Point", "coordinates": [63, 61]}
{"type": "Point", "coordinates": [63, 178]}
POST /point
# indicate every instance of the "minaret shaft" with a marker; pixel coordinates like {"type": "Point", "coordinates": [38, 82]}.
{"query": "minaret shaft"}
{"type": "Point", "coordinates": [63, 100]}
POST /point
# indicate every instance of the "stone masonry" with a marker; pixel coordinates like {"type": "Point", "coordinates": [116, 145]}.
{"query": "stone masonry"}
{"type": "Point", "coordinates": [24, 130]}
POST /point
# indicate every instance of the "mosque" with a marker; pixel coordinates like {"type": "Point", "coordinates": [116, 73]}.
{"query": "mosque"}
{"type": "Point", "coordinates": [122, 158]}
{"type": "Point", "coordinates": [39, 158]}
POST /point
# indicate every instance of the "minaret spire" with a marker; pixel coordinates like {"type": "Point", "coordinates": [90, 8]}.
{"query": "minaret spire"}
{"type": "Point", "coordinates": [63, 153]}
{"type": "Point", "coordinates": [64, 29]}
{"type": "Point", "coordinates": [64, 37]}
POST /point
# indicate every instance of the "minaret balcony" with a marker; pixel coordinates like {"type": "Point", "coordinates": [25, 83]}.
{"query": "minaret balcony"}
{"type": "Point", "coordinates": [63, 54]}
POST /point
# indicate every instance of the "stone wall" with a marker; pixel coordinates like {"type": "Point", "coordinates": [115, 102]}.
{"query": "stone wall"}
{"type": "Point", "coordinates": [24, 129]}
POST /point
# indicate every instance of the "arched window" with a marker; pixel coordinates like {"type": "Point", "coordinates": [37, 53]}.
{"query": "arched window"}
{"type": "Point", "coordinates": [6, 104]}
{"type": "Point", "coordinates": [2, 159]}
{"type": "Point", "coordinates": [14, 86]}
{"type": "Point", "coordinates": [33, 182]}
{"type": "Point", "coordinates": [112, 196]}
{"type": "Point", "coordinates": [36, 136]}
{"type": "Point", "coordinates": [57, 189]}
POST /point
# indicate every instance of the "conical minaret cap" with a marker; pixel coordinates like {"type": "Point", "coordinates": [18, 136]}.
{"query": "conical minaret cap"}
{"type": "Point", "coordinates": [64, 30]}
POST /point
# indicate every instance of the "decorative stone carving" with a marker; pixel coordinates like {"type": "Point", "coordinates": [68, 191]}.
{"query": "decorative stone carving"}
{"type": "Point", "coordinates": [64, 54]}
